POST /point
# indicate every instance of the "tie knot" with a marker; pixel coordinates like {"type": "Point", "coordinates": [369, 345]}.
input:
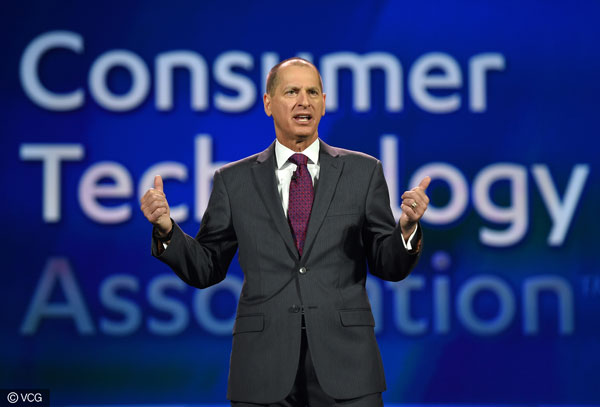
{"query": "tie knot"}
{"type": "Point", "coordinates": [299, 159]}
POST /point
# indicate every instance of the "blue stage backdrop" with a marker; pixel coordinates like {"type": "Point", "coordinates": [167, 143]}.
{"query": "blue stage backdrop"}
{"type": "Point", "coordinates": [498, 104]}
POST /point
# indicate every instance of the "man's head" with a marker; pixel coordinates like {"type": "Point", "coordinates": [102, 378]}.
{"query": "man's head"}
{"type": "Point", "coordinates": [295, 100]}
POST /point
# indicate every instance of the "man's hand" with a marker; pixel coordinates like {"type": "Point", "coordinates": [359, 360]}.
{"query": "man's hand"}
{"type": "Point", "coordinates": [414, 204]}
{"type": "Point", "coordinates": [156, 208]}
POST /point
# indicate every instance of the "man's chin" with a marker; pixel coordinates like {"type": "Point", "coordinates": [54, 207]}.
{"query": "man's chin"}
{"type": "Point", "coordinates": [298, 135]}
{"type": "Point", "coordinates": [301, 137]}
{"type": "Point", "coordinates": [307, 132]}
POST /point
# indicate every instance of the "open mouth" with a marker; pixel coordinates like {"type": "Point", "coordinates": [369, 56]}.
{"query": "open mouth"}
{"type": "Point", "coordinates": [303, 118]}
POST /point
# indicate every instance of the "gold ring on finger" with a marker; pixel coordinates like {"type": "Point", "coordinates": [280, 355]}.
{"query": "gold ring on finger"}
{"type": "Point", "coordinates": [414, 205]}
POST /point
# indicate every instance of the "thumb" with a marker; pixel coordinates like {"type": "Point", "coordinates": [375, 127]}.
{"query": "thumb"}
{"type": "Point", "coordinates": [158, 183]}
{"type": "Point", "coordinates": [425, 183]}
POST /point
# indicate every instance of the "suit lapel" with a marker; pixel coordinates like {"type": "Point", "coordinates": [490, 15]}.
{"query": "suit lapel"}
{"type": "Point", "coordinates": [263, 171]}
{"type": "Point", "coordinates": [330, 169]}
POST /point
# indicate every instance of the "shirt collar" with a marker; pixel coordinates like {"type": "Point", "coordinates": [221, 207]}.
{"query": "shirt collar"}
{"type": "Point", "coordinates": [283, 154]}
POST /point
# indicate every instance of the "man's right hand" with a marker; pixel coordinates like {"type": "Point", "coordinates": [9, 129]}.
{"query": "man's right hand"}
{"type": "Point", "coordinates": [156, 208]}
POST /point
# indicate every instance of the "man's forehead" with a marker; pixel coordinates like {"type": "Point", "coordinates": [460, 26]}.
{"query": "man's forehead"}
{"type": "Point", "coordinates": [293, 72]}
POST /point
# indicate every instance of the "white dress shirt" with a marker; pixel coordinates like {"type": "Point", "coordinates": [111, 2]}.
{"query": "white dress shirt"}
{"type": "Point", "coordinates": [285, 168]}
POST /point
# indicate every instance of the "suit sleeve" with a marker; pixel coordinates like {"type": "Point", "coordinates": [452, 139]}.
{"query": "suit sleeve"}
{"type": "Point", "coordinates": [387, 257]}
{"type": "Point", "coordinates": [203, 261]}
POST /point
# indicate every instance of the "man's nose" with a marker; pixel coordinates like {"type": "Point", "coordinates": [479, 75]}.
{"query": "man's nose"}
{"type": "Point", "coordinates": [303, 99]}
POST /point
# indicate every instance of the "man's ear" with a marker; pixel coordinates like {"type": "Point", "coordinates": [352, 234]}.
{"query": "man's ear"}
{"type": "Point", "coordinates": [267, 104]}
{"type": "Point", "coordinates": [324, 96]}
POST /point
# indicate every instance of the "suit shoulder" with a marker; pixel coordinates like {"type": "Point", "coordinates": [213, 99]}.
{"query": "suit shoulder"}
{"type": "Point", "coordinates": [355, 155]}
{"type": "Point", "coordinates": [239, 167]}
{"type": "Point", "coordinates": [357, 158]}
{"type": "Point", "coordinates": [239, 164]}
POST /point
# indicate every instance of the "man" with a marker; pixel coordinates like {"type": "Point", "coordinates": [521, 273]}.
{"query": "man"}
{"type": "Point", "coordinates": [306, 218]}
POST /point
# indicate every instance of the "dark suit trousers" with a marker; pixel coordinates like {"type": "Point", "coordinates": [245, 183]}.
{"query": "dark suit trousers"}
{"type": "Point", "coordinates": [307, 391]}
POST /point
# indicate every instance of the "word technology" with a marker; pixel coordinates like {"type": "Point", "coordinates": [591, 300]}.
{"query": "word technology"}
{"type": "Point", "coordinates": [93, 189]}
{"type": "Point", "coordinates": [235, 71]}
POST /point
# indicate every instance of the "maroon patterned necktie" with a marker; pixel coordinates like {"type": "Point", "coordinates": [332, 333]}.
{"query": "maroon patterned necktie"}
{"type": "Point", "coordinates": [300, 200]}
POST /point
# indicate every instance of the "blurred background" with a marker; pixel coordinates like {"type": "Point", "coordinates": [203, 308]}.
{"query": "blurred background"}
{"type": "Point", "coordinates": [498, 102]}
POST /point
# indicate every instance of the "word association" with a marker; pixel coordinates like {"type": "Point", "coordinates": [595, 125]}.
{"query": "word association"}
{"type": "Point", "coordinates": [137, 308]}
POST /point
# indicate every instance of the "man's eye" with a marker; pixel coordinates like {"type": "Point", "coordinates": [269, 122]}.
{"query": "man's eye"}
{"type": "Point", "coordinates": [291, 91]}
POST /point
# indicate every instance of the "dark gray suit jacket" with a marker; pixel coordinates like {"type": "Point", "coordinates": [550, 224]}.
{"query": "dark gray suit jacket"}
{"type": "Point", "coordinates": [351, 226]}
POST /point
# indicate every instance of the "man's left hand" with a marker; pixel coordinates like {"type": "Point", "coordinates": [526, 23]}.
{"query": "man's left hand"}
{"type": "Point", "coordinates": [414, 205]}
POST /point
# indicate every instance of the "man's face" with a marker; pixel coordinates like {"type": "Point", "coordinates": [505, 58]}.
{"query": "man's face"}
{"type": "Point", "coordinates": [297, 104]}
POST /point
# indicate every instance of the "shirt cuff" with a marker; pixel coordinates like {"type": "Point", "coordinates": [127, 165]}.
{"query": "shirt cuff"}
{"type": "Point", "coordinates": [407, 245]}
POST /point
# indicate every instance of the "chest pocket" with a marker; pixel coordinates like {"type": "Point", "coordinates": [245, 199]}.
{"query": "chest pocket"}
{"type": "Point", "coordinates": [343, 210]}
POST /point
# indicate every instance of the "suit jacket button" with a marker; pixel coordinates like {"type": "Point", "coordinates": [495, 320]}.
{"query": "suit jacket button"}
{"type": "Point", "coordinates": [295, 308]}
{"type": "Point", "coordinates": [302, 270]}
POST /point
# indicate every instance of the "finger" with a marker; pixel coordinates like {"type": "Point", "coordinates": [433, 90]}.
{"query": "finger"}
{"type": "Point", "coordinates": [157, 204]}
{"type": "Point", "coordinates": [409, 213]}
{"type": "Point", "coordinates": [415, 213]}
{"type": "Point", "coordinates": [416, 194]}
{"type": "Point", "coordinates": [412, 194]}
{"type": "Point", "coordinates": [424, 183]}
{"type": "Point", "coordinates": [158, 183]}
{"type": "Point", "coordinates": [153, 215]}
{"type": "Point", "coordinates": [152, 196]}
{"type": "Point", "coordinates": [148, 214]}
{"type": "Point", "coordinates": [407, 208]}
{"type": "Point", "coordinates": [147, 198]}
{"type": "Point", "coordinates": [157, 213]}
{"type": "Point", "coordinates": [420, 196]}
